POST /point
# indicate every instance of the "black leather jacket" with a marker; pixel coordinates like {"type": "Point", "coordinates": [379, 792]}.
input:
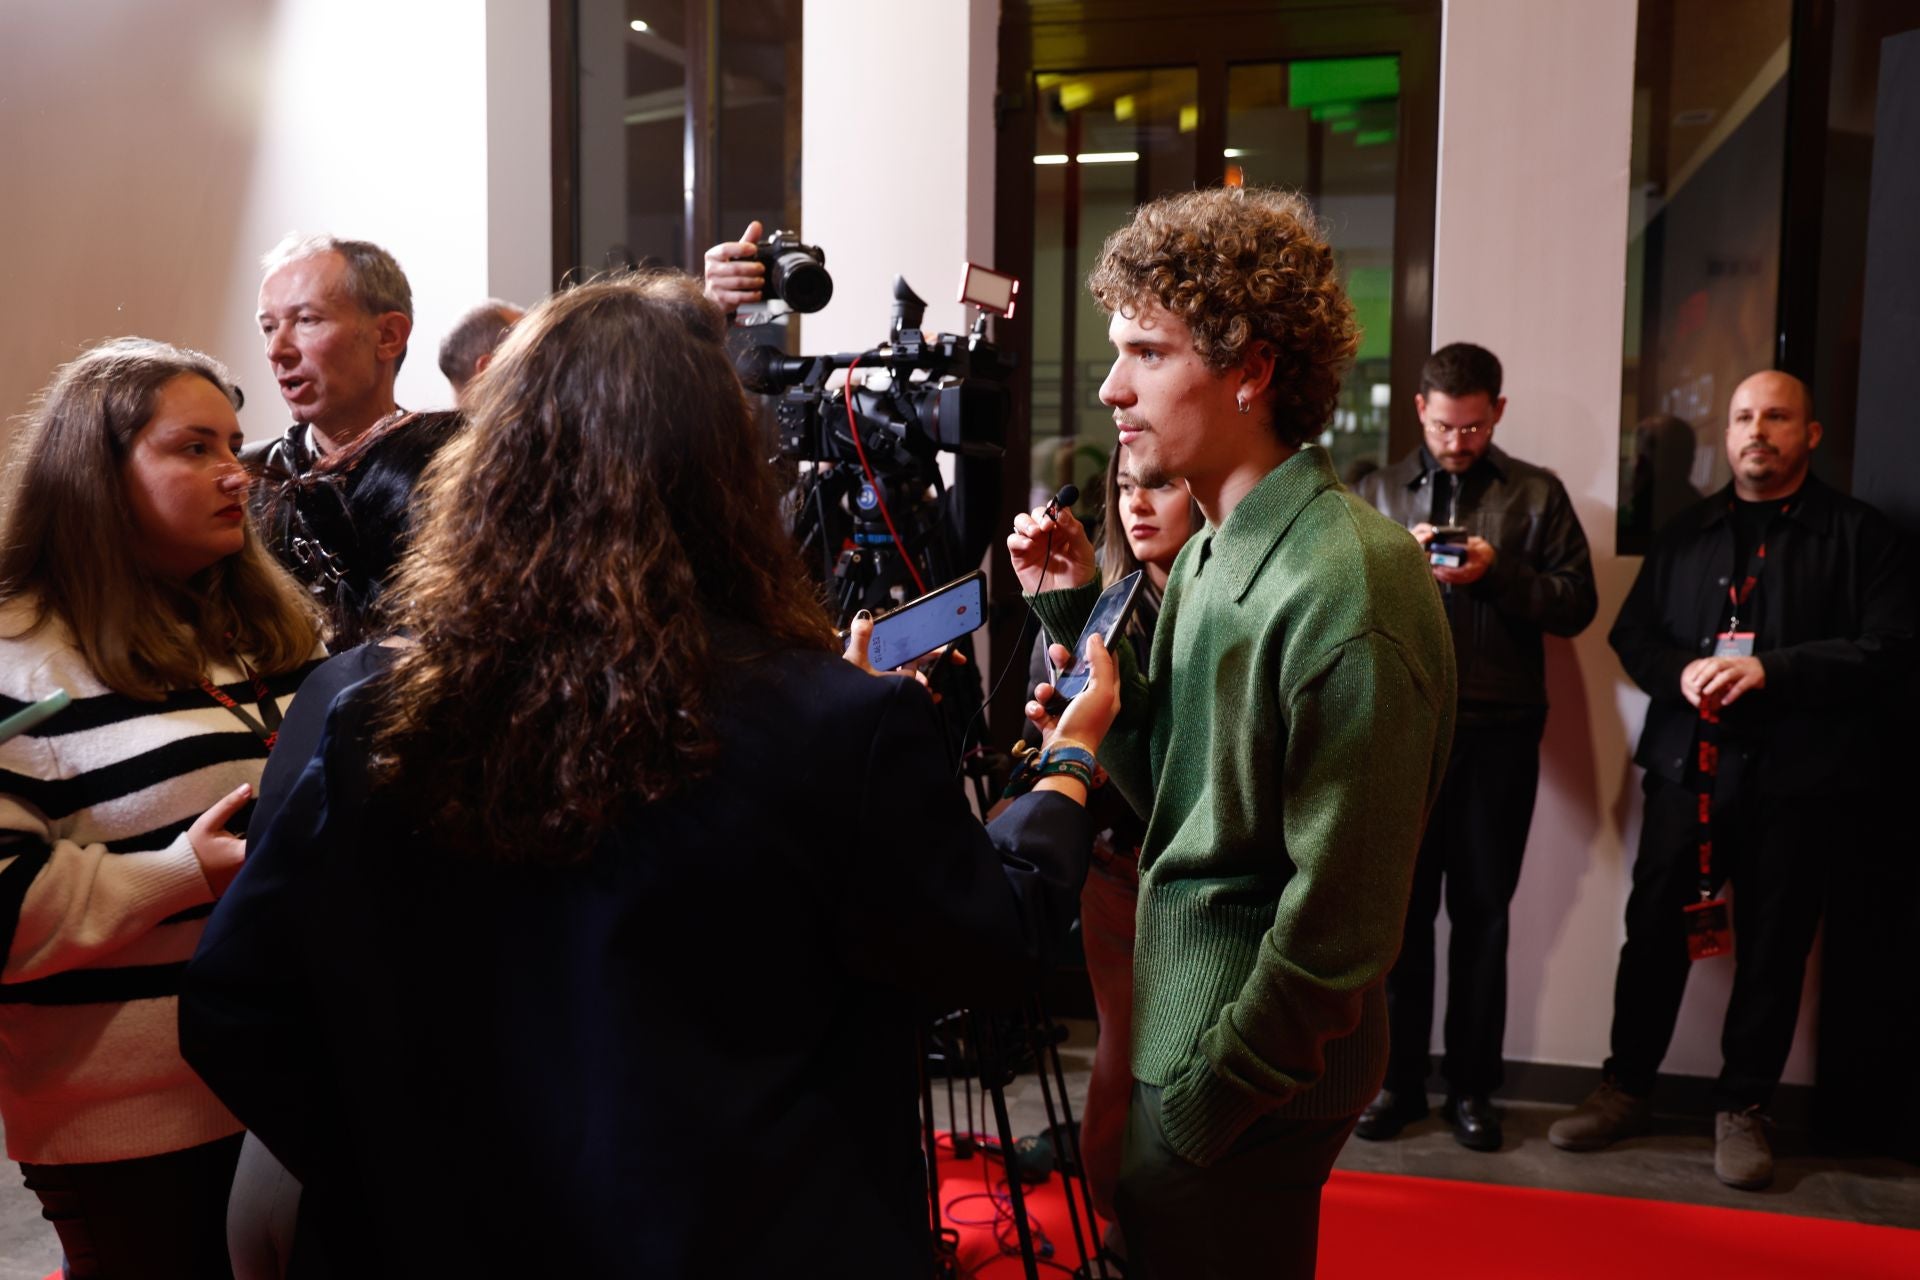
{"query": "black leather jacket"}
{"type": "Point", "coordinates": [273, 463]}
{"type": "Point", "coordinates": [1541, 580]}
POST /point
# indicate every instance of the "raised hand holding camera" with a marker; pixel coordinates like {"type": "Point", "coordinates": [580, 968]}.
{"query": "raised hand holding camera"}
{"type": "Point", "coordinates": [733, 274]}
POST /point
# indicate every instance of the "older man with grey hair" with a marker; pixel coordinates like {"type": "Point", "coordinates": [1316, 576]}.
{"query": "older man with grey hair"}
{"type": "Point", "coordinates": [336, 315]}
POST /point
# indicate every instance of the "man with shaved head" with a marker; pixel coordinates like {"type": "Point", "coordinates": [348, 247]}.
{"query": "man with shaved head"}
{"type": "Point", "coordinates": [1765, 625]}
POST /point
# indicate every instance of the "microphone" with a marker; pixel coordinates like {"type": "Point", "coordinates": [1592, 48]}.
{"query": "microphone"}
{"type": "Point", "coordinates": [769, 370]}
{"type": "Point", "coordinates": [1068, 495]}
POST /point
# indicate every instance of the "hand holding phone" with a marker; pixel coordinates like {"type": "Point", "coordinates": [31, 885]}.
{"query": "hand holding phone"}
{"type": "Point", "coordinates": [920, 626]}
{"type": "Point", "coordinates": [1086, 719]}
{"type": "Point", "coordinates": [1447, 549]}
{"type": "Point", "coordinates": [1110, 614]}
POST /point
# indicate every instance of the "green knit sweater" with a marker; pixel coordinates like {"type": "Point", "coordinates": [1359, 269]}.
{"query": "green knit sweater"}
{"type": "Point", "coordinates": [1287, 746]}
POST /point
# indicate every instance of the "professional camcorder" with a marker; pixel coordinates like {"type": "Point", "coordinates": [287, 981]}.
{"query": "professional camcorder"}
{"type": "Point", "coordinates": [873, 513]}
{"type": "Point", "coordinates": [945, 393]}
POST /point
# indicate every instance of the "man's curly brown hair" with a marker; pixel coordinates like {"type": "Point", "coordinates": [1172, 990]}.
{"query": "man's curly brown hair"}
{"type": "Point", "coordinates": [1240, 266]}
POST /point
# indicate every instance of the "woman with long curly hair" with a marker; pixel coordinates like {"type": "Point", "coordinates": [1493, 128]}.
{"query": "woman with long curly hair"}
{"type": "Point", "coordinates": [615, 888]}
{"type": "Point", "coordinates": [131, 581]}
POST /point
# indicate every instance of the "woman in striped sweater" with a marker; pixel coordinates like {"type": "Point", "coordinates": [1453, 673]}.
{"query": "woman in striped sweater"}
{"type": "Point", "coordinates": [130, 579]}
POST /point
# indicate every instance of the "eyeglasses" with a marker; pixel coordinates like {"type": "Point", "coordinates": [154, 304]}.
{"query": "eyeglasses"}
{"type": "Point", "coordinates": [1461, 433]}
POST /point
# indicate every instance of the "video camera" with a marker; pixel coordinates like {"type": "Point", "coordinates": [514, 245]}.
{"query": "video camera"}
{"type": "Point", "coordinates": [873, 513]}
{"type": "Point", "coordinates": [947, 393]}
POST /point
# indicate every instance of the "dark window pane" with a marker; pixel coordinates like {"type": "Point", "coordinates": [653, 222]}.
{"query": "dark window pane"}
{"type": "Point", "coordinates": [1703, 248]}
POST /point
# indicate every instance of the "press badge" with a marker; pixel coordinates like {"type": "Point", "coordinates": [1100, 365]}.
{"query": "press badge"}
{"type": "Point", "coordinates": [1734, 644]}
{"type": "Point", "coordinates": [1709, 929]}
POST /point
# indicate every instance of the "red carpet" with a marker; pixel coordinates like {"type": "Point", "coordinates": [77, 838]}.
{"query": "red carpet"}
{"type": "Point", "coordinates": [1376, 1225]}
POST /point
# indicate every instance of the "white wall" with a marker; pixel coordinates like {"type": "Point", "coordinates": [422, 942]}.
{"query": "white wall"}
{"type": "Point", "coordinates": [1530, 257]}
{"type": "Point", "coordinates": [153, 152]}
{"type": "Point", "coordinates": [921, 72]}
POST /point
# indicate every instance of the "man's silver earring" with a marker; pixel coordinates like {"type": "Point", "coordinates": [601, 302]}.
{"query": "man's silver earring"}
{"type": "Point", "coordinates": [1245, 406]}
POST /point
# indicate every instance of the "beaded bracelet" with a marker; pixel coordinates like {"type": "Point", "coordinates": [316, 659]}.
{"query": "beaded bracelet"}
{"type": "Point", "coordinates": [1066, 759]}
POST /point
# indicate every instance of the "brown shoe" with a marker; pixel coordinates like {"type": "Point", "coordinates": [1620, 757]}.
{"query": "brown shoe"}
{"type": "Point", "coordinates": [1608, 1115]}
{"type": "Point", "coordinates": [1741, 1156]}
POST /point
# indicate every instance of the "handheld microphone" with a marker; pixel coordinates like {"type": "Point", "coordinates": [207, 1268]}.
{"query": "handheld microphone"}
{"type": "Point", "coordinates": [1068, 495]}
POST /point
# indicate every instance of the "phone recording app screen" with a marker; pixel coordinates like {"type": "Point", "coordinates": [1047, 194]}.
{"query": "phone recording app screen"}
{"type": "Point", "coordinates": [919, 631]}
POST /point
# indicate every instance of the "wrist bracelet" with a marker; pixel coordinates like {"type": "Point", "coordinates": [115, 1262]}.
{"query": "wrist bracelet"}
{"type": "Point", "coordinates": [1068, 769]}
{"type": "Point", "coordinates": [1062, 759]}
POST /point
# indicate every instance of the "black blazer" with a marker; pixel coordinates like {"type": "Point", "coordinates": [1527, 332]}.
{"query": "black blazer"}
{"type": "Point", "coordinates": [1834, 630]}
{"type": "Point", "coordinates": [691, 1055]}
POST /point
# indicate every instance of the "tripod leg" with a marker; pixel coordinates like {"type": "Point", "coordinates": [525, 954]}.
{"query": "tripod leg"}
{"type": "Point", "coordinates": [932, 1146]}
{"type": "Point", "coordinates": [991, 1072]}
{"type": "Point", "coordinates": [1097, 1260]}
{"type": "Point", "coordinates": [1046, 1053]}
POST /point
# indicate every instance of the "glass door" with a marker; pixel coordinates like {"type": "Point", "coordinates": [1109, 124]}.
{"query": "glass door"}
{"type": "Point", "coordinates": [1102, 143]}
{"type": "Point", "coordinates": [1330, 129]}
{"type": "Point", "coordinates": [1106, 141]}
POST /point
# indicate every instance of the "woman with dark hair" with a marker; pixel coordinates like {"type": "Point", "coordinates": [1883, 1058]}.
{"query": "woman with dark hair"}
{"type": "Point", "coordinates": [1142, 527]}
{"type": "Point", "coordinates": [347, 521]}
{"type": "Point", "coordinates": [130, 579]}
{"type": "Point", "coordinates": [616, 889]}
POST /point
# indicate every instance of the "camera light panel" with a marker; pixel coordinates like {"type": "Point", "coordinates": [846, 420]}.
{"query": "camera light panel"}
{"type": "Point", "coordinates": [988, 290]}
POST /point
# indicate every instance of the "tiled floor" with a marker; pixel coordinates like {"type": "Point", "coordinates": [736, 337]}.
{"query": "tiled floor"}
{"type": "Point", "coordinates": [1675, 1163]}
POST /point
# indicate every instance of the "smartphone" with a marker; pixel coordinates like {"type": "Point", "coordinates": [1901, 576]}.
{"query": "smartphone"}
{"type": "Point", "coordinates": [33, 715]}
{"type": "Point", "coordinates": [1448, 547]}
{"type": "Point", "coordinates": [1110, 613]}
{"type": "Point", "coordinates": [920, 626]}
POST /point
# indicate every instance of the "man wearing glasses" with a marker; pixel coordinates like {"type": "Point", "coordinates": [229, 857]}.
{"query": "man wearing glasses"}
{"type": "Point", "coordinates": [1512, 564]}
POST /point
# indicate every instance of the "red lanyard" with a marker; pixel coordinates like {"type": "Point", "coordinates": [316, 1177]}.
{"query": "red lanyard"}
{"type": "Point", "coordinates": [1708, 742]}
{"type": "Point", "coordinates": [269, 731]}
{"type": "Point", "coordinates": [1755, 566]}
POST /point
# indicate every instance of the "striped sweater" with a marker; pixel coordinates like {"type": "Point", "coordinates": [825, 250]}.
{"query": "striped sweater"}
{"type": "Point", "coordinates": [103, 900]}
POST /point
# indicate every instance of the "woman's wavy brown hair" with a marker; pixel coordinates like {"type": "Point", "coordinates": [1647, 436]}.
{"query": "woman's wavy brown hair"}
{"type": "Point", "coordinates": [67, 537]}
{"type": "Point", "coordinates": [608, 504]}
{"type": "Point", "coordinates": [1242, 266]}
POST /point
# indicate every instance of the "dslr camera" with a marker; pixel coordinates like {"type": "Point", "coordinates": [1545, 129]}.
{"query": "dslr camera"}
{"type": "Point", "coordinates": [796, 272]}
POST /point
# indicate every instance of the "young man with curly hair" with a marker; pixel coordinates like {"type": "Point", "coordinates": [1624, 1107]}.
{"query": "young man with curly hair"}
{"type": "Point", "coordinates": [1286, 735]}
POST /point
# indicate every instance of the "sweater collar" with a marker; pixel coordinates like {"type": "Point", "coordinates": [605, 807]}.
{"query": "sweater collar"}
{"type": "Point", "coordinates": [1243, 544]}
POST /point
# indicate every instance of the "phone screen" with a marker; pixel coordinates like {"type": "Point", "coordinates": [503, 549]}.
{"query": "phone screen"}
{"type": "Point", "coordinates": [918, 627]}
{"type": "Point", "coordinates": [1110, 613]}
{"type": "Point", "coordinates": [1448, 547]}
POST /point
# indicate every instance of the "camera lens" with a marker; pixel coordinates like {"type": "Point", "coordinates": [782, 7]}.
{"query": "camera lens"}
{"type": "Point", "coordinates": [800, 281]}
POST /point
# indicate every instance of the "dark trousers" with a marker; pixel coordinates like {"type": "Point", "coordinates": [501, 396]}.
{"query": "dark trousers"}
{"type": "Point", "coordinates": [1775, 851]}
{"type": "Point", "coordinates": [1108, 904]}
{"type": "Point", "coordinates": [155, 1218]}
{"type": "Point", "coordinates": [1253, 1212]}
{"type": "Point", "coordinates": [1475, 838]}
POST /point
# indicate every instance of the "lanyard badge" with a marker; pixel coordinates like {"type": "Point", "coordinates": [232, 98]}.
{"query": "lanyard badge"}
{"type": "Point", "coordinates": [1710, 920]}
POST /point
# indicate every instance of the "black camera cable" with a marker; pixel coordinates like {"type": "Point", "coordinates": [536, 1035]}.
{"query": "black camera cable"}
{"type": "Point", "coordinates": [1068, 495]}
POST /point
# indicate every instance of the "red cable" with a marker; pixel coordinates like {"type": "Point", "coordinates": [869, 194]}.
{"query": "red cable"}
{"type": "Point", "coordinates": [879, 493]}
